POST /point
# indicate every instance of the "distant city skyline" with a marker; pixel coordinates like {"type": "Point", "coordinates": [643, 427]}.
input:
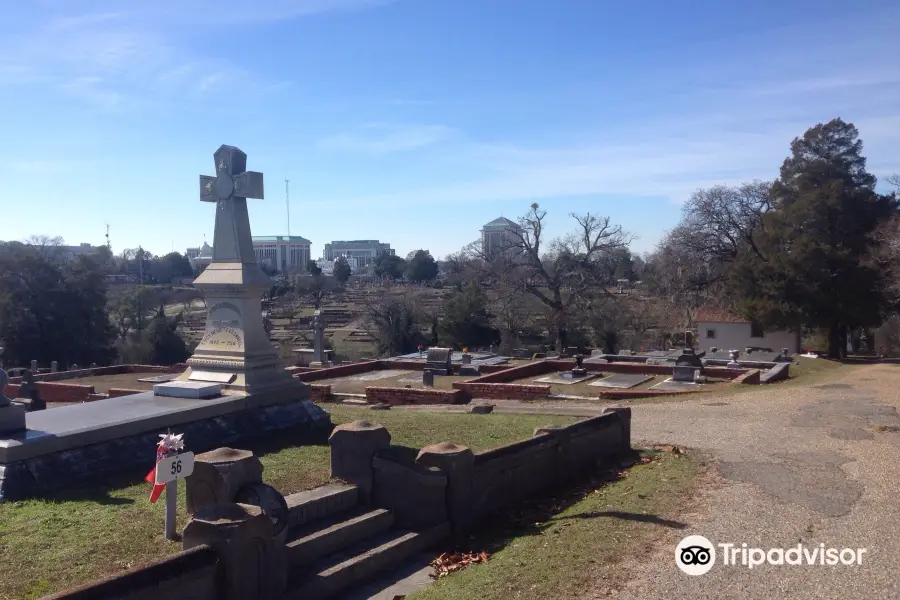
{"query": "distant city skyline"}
{"type": "Point", "coordinates": [417, 121]}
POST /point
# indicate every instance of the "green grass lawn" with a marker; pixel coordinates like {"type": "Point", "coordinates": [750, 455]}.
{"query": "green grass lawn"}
{"type": "Point", "coordinates": [571, 545]}
{"type": "Point", "coordinates": [81, 535]}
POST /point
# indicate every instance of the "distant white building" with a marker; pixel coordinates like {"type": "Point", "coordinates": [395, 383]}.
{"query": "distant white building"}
{"type": "Point", "coordinates": [279, 252]}
{"type": "Point", "coordinates": [720, 329]}
{"type": "Point", "coordinates": [498, 236]}
{"type": "Point", "coordinates": [358, 253]}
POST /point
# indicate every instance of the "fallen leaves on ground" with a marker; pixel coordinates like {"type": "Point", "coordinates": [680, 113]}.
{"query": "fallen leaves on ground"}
{"type": "Point", "coordinates": [451, 562]}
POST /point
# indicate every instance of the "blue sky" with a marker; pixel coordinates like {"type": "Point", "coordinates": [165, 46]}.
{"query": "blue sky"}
{"type": "Point", "coordinates": [416, 121]}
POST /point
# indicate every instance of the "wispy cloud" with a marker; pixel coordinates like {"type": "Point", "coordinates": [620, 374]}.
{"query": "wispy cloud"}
{"type": "Point", "coordinates": [380, 138]}
{"type": "Point", "coordinates": [116, 56]}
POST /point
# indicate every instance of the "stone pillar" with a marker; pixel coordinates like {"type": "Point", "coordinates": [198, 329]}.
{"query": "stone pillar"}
{"type": "Point", "coordinates": [217, 477]}
{"type": "Point", "coordinates": [54, 366]}
{"type": "Point", "coordinates": [428, 378]}
{"type": "Point", "coordinates": [458, 464]}
{"type": "Point", "coordinates": [353, 447]}
{"type": "Point", "coordinates": [467, 359]}
{"type": "Point", "coordinates": [74, 367]}
{"type": "Point", "coordinates": [12, 415]}
{"type": "Point", "coordinates": [243, 538]}
{"type": "Point", "coordinates": [624, 415]}
{"type": "Point", "coordinates": [688, 339]}
{"type": "Point", "coordinates": [34, 366]}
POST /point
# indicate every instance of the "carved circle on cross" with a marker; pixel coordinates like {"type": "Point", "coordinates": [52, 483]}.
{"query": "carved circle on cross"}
{"type": "Point", "coordinates": [224, 186]}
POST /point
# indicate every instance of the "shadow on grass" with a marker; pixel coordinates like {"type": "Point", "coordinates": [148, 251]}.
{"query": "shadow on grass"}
{"type": "Point", "coordinates": [99, 489]}
{"type": "Point", "coordinates": [628, 516]}
{"type": "Point", "coordinates": [534, 516]}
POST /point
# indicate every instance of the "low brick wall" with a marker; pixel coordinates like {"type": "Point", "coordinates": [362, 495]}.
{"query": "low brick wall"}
{"type": "Point", "coordinates": [97, 371]}
{"type": "Point", "coordinates": [117, 392]}
{"type": "Point", "coordinates": [502, 391]}
{"type": "Point", "coordinates": [192, 574]}
{"type": "Point", "coordinates": [414, 365]}
{"type": "Point", "coordinates": [320, 393]}
{"type": "Point", "coordinates": [636, 394]}
{"type": "Point", "coordinates": [338, 371]}
{"type": "Point", "coordinates": [397, 396]}
{"type": "Point", "coordinates": [751, 377]}
{"type": "Point", "coordinates": [57, 392]}
{"type": "Point", "coordinates": [526, 370]}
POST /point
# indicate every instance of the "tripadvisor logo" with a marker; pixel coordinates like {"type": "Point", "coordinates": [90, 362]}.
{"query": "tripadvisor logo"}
{"type": "Point", "coordinates": [696, 555]}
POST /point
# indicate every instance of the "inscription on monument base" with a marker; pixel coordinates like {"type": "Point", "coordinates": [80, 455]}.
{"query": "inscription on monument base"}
{"type": "Point", "coordinates": [212, 377]}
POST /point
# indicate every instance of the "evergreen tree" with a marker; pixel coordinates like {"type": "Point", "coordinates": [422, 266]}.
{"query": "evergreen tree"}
{"type": "Point", "coordinates": [812, 264]}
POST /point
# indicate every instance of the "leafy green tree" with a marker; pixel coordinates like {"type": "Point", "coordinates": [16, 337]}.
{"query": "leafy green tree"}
{"type": "Point", "coordinates": [165, 268]}
{"type": "Point", "coordinates": [389, 265]}
{"type": "Point", "coordinates": [342, 270]}
{"type": "Point", "coordinates": [166, 346]}
{"type": "Point", "coordinates": [422, 267]}
{"type": "Point", "coordinates": [812, 264]}
{"type": "Point", "coordinates": [466, 321]}
{"type": "Point", "coordinates": [313, 268]}
{"type": "Point", "coordinates": [52, 308]}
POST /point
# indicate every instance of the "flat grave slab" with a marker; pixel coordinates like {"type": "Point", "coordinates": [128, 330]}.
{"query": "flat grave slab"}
{"type": "Point", "coordinates": [188, 389]}
{"type": "Point", "coordinates": [671, 385]}
{"type": "Point", "coordinates": [622, 380]}
{"type": "Point", "coordinates": [159, 378]}
{"type": "Point", "coordinates": [556, 379]}
{"type": "Point", "coordinates": [492, 360]}
{"type": "Point", "coordinates": [376, 375]}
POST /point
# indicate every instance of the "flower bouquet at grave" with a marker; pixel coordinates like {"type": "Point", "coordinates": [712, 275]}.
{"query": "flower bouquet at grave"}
{"type": "Point", "coordinates": [168, 445]}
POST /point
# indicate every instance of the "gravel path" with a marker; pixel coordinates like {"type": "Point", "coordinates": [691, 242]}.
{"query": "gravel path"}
{"type": "Point", "coordinates": [812, 464]}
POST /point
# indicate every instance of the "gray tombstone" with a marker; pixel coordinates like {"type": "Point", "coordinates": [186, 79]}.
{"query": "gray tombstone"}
{"type": "Point", "coordinates": [467, 359]}
{"type": "Point", "coordinates": [28, 390]}
{"type": "Point", "coordinates": [319, 338]}
{"type": "Point", "coordinates": [438, 360]}
{"type": "Point", "coordinates": [685, 373]}
{"type": "Point", "coordinates": [34, 366]}
{"type": "Point", "coordinates": [54, 367]}
{"type": "Point", "coordinates": [688, 339]}
{"type": "Point", "coordinates": [12, 415]}
{"type": "Point", "coordinates": [428, 378]}
{"type": "Point", "coordinates": [74, 367]}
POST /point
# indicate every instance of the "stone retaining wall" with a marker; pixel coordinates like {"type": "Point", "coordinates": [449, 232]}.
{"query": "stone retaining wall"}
{"type": "Point", "coordinates": [189, 575]}
{"type": "Point", "coordinates": [503, 391]}
{"type": "Point", "coordinates": [339, 371]}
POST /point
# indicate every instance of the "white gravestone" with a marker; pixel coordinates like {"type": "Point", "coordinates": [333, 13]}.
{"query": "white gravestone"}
{"type": "Point", "coordinates": [235, 351]}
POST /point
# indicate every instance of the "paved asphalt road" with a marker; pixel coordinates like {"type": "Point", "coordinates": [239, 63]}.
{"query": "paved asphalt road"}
{"type": "Point", "coordinates": [813, 464]}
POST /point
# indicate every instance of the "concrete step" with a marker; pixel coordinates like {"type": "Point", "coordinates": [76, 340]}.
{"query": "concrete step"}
{"type": "Point", "coordinates": [320, 503]}
{"type": "Point", "coordinates": [339, 572]}
{"type": "Point", "coordinates": [321, 538]}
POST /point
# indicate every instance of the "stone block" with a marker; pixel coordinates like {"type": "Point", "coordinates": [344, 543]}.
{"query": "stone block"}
{"type": "Point", "coordinates": [353, 446]}
{"type": "Point", "coordinates": [469, 371]}
{"type": "Point", "coordinates": [380, 406]}
{"type": "Point", "coordinates": [218, 475]}
{"type": "Point", "coordinates": [458, 464]}
{"type": "Point", "coordinates": [481, 409]}
{"type": "Point", "coordinates": [428, 377]}
{"type": "Point", "coordinates": [12, 418]}
{"type": "Point", "coordinates": [416, 494]}
{"type": "Point", "coordinates": [275, 508]}
{"type": "Point", "coordinates": [684, 373]}
{"type": "Point", "coordinates": [243, 537]}
{"type": "Point", "coordinates": [188, 389]}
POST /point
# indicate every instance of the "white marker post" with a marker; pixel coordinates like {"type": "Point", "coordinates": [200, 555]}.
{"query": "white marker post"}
{"type": "Point", "coordinates": [168, 471]}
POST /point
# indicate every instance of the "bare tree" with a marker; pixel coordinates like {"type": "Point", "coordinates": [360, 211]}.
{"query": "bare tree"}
{"type": "Point", "coordinates": [565, 272]}
{"type": "Point", "coordinates": [392, 321]}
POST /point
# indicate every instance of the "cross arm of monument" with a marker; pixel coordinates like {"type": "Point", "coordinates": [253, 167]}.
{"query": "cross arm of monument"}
{"type": "Point", "coordinates": [248, 184]}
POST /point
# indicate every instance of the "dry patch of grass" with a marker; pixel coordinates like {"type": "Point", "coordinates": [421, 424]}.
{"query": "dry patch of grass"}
{"type": "Point", "coordinates": [80, 535]}
{"type": "Point", "coordinates": [571, 545]}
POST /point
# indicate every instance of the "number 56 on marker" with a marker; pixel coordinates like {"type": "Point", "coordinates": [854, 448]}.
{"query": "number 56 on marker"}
{"type": "Point", "coordinates": [177, 466]}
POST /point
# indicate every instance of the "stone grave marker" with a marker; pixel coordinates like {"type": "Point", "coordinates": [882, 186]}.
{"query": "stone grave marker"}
{"type": "Point", "coordinates": [34, 366]}
{"type": "Point", "coordinates": [438, 361]}
{"type": "Point", "coordinates": [428, 378]}
{"type": "Point", "coordinates": [28, 390]}
{"type": "Point", "coordinates": [54, 366]}
{"type": "Point", "coordinates": [622, 380]}
{"type": "Point", "coordinates": [12, 415]}
{"type": "Point", "coordinates": [684, 373]}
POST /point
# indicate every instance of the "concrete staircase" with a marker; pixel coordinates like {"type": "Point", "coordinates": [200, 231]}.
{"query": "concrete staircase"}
{"type": "Point", "coordinates": [336, 543]}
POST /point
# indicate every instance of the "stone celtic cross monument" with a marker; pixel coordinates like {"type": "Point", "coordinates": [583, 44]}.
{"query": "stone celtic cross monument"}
{"type": "Point", "coordinates": [235, 350]}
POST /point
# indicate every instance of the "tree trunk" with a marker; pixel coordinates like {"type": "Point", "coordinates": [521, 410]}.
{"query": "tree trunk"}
{"type": "Point", "coordinates": [837, 341]}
